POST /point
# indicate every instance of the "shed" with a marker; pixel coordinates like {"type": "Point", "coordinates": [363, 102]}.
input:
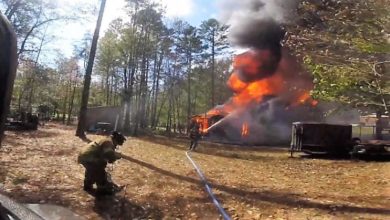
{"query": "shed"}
{"type": "Point", "coordinates": [104, 114]}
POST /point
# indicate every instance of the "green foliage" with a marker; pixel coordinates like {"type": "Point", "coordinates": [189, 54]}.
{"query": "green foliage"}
{"type": "Point", "coordinates": [214, 35]}
{"type": "Point", "coordinates": [332, 82]}
{"type": "Point", "coordinates": [165, 72]}
{"type": "Point", "coordinates": [370, 47]}
{"type": "Point", "coordinates": [340, 42]}
{"type": "Point", "coordinates": [355, 84]}
{"type": "Point", "coordinates": [31, 18]}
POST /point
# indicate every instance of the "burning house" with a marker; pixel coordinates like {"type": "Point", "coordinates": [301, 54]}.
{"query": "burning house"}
{"type": "Point", "coordinates": [270, 88]}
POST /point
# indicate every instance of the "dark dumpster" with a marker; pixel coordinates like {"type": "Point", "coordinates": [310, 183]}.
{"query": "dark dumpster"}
{"type": "Point", "coordinates": [314, 137]}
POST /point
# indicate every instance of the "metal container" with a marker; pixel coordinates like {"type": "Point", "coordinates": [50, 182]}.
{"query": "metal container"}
{"type": "Point", "coordinates": [314, 137]}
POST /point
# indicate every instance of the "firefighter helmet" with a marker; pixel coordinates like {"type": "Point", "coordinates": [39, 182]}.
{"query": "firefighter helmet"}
{"type": "Point", "coordinates": [118, 137]}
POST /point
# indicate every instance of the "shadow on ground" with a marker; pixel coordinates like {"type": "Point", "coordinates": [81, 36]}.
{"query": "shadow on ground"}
{"type": "Point", "coordinates": [18, 137]}
{"type": "Point", "coordinates": [3, 174]}
{"type": "Point", "coordinates": [85, 139]}
{"type": "Point", "coordinates": [281, 198]}
{"type": "Point", "coordinates": [43, 195]}
{"type": "Point", "coordinates": [113, 207]}
{"type": "Point", "coordinates": [219, 150]}
{"type": "Point", "coordinates": [363, 157]}
{"type": "Point", "coordinates": [119, 207]}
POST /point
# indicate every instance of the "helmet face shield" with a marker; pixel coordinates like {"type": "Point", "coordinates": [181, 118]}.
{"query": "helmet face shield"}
{"type": "Point", "coordinates": [121, 140]}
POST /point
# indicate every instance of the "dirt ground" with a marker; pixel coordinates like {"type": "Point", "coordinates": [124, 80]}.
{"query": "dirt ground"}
{"type": "Point", "coordinates": [251, 183]}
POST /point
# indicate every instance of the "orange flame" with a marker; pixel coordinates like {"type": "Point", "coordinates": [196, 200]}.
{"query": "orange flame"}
{"type": "Point", "coordinates": [251, 64]}
{"type": "Point", "coordinates": [251, 83]}
{"type": "Point", "coordinates": [254, 92]}
{"type": "Point", "coordinates": [303, 98]}
{"type": "Point", "coordinates": [245, 130]}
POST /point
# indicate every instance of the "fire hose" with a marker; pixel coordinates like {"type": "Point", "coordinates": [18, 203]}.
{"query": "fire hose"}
{"type": "Point", "coordinates": [208, 188]}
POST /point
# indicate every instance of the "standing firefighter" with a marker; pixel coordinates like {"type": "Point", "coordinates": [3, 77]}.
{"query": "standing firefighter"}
{"type": "Point", "coordinates": [94, 157]}
{"type": "Point", "coordinates": [194, 135]}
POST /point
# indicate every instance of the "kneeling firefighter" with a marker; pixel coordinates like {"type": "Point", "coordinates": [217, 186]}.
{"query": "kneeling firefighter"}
{"type": "Point", "coordinates": [94, 157]}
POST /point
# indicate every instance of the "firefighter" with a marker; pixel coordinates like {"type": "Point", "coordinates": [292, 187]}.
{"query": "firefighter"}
{"type": "Point", "coordinates": [194, 136]}
{"type": "Point", "coordinates": [94, 157]}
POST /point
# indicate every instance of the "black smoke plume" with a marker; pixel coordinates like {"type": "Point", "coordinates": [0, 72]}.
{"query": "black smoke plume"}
{"type": "Point", "coordinates": [257, 23]}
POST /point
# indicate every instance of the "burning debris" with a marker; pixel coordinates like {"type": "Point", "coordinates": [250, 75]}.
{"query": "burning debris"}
{"type": "Point", "coordinates": [270, 89]}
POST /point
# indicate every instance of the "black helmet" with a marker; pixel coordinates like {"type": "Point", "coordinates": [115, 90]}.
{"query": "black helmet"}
{"type": "Point", "coordinates": [118, 137]}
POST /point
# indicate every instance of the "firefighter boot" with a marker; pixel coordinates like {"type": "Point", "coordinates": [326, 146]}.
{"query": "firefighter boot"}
{"type": "Point", "coordinates": [104, 191]}
{"type": "Point", "coordinates": [88, 187]}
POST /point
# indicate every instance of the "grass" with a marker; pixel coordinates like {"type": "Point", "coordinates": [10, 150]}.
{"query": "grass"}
{"type": "Point", "coordinates": [19, 180]}
{"type": "Point", "coordinates": [250, 182]}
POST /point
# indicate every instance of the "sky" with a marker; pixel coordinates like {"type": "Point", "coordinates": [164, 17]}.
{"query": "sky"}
{"type": "Point", "coordinates": [65, 36]}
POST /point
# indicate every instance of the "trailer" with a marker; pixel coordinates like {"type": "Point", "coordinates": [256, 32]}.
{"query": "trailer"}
{"type": "Point", "coordinates": [315, 137]}
{"type": "Point", "coordinates": [336, 139]}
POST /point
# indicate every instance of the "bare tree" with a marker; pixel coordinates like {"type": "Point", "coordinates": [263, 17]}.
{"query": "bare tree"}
{"type": "Point", "coordinates": [87, 78]}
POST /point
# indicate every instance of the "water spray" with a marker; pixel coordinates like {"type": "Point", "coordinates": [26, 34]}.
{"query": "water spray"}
{"type": "Point", "coordinates": [239, 112]}
{"type": "Point", "coordinates": [218, 123]}
{"type": "Point", "coordinates": [116, 123]}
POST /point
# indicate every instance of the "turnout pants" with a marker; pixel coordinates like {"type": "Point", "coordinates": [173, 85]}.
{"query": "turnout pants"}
{"type": "Point", "coordinates": [95, 173]}
{"type": "Point", "coordinates": [193, 144]}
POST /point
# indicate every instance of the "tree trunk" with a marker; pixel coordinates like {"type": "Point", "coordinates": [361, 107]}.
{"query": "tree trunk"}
{"type": "Point", "coordinates": [178, 112]}
{"type": "Point", "coordinates": [70, 109]}
{"type": "Point", "coordinates": [145, 97]}
{"type": "Point", "coordinates": [81, 126]}
{"type": "Point", "coordinates": [137, 114]}
{"type": "Point", "coordinates": [129, 97]}
{"type": "Point", "coordinates": [195, 99]}
{"type": "Point", "coordinates": [126, 101]}
{"type": "Point", "coordinates": [116, 103]}
{"type": "Point", "coordinates": [169, 116]}
{"type": "Point", "coordinates": [112, 88]}
{"type": "Point", "coordinates": [20, 99]}
{"type": "Point", "coordinates": [153, 91]}
{"type": "Point", "coordinates": [213, 70]}
{"type": "Point", "coordinates": [189, 87]}
{"type": "Point", "coordinates": [8, 66]}
{"type": "Point", "coordinates": [31, 94]}
{"type": "Point", "coordinates": [107, 86]}
{"type": "Point", "coordinates": [10, 11]}
{"type": "Point", "coordinates": [156, 92]}
{"type": "Point", "coordinates": [160, 109]}
{"type": "Point", "coordinates": [64, 106]}
{"type": "Point", "coordinates": [32, 83]}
